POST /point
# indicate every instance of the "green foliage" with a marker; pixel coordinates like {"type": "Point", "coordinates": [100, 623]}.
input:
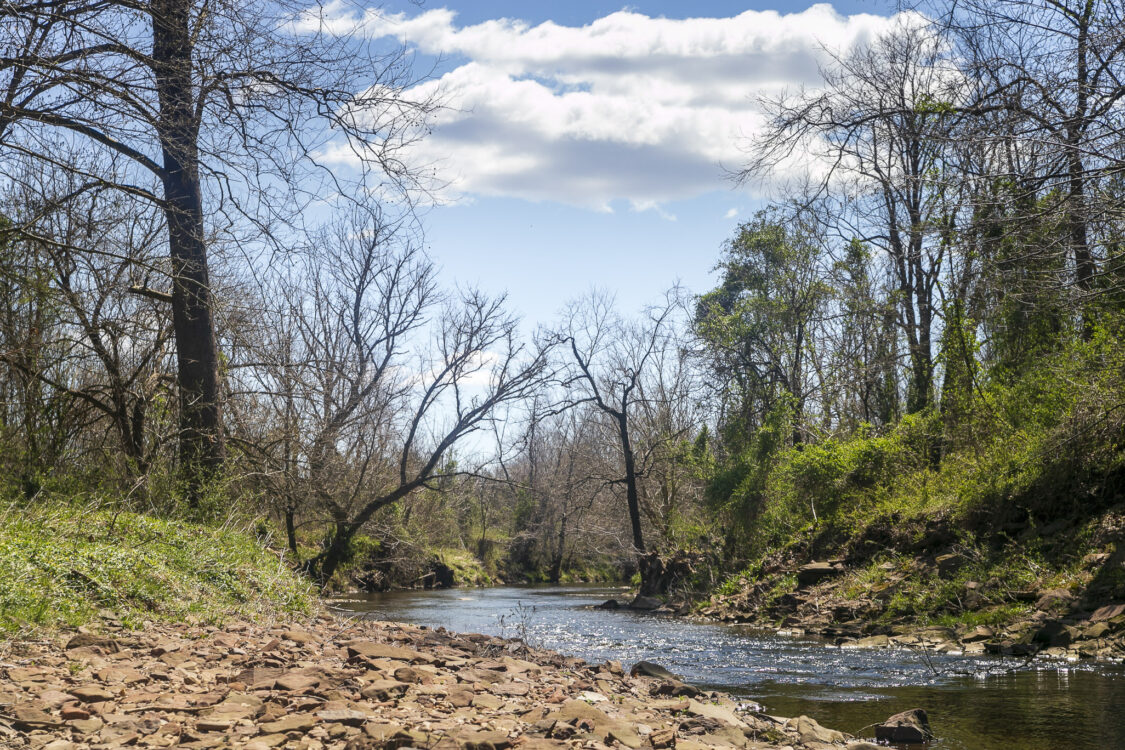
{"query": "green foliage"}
{"type": "Point", "coordinates": [62, 563]}
{"type": "Point", "coordinates": [1013, 460]}
{"type": "Point", "coordinates": [756, 327]}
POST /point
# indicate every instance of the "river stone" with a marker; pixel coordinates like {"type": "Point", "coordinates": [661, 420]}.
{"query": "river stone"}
{"type": "Point", "coordinates": [649, 669]}
{"type": "Point", "coordinates": [908, 726]}
{"type": "Point", "coordinates": [645, 602]}
{"type": "Point", "coordinates": [815, 572]}
{"type": "Point", "coordinates": [712, 711]}
{"type": "Point", "coordinates": [91, 694]}
{"type": "Point", "coordinates": [89, 640]}
{"type": "Point", "coordinates": [810, 731]}
{"type": "Point", "coordinates": [1108, 612]}
{"type": "Point", "coordinates": [610, 604]}
{"type": "Point", "coordinates": [373, 650]}
{"type": "Point", "coordinates": [483, 740]}
{"type": "Point", "coordinates": [384, 690]}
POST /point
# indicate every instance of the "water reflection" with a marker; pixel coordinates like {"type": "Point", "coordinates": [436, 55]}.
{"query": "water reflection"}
{"type": "Point", "coordinates": [973, 703]}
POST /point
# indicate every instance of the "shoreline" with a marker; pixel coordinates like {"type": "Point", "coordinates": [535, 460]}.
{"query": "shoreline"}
{"type": "Point", "coordinates": [336, 683]}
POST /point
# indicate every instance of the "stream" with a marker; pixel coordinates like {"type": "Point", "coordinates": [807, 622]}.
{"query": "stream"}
{"type": "Point", "coordinates": [974, 703]}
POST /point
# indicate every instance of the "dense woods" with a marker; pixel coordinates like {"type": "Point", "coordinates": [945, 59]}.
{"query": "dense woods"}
{"type": "Point", "coordinates": [916, 342]}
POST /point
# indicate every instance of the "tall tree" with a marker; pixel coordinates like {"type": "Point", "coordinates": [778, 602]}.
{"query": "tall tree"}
{"type": "Point", "coordinates": [758, 328]}
{"type": "Point", "coordinates": [882, 123]}
{"type": "Point", "coordinates": [1058, 68]}
{"type": "Point", "coordinates": [214, 110]}
{"type": "Point", "coordinates": [609, 360]}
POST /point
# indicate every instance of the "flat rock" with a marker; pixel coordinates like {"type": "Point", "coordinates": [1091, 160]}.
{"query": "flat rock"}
{"type": "Point", "coordinates": [718, 713]}
{"type": "Point", "coordinates": [294, 681]}
{"type": "Point", "coordinates": [1108, 612]}
{"type": "Point", "coordinates": [376, 650]}
{"type": "Point", "coordinates": [483, 740]}
{"type": "Point", "coordinates": [490, 702]}
{"type": "Point", "coordinates": [89, 640]}
{"type": "Point", "coordinates": [291, 723]}
{"type": "Point", "coordinates": [298, 636]}
{"type": "Point", "coordinates": [384, 690]}
{"type": "Point", "coordinates": [32, 716]}
{"type": "Point", "coordinates": [510, 688]}
{"type": "Point", "coordinates": [650, 669]}
{"type": "Point", "coordinates": [348, 716]}
{"type": "Point", "coordinates": [815, 572]}
{"type": "Point", "coordinates": [91, 694]}
{"type": "Point", "coordinates": [259, 678]}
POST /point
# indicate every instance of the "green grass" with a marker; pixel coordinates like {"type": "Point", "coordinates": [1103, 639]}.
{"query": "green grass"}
{"type": "Point", "coordinates": [468, 570]}
{"type": "Point", "coordinates": [61, 564]}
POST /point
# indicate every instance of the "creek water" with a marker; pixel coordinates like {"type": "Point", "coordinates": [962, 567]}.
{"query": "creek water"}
{"type": "Point", "coordinates": [974, 703]}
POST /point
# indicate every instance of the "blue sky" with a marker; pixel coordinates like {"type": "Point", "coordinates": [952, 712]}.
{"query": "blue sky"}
{"type": "Point", "coordinates": [586, 141]}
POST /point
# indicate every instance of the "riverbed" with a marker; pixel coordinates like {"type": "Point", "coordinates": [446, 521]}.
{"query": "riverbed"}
{"type": "Point", "coordinates": [975, 703]}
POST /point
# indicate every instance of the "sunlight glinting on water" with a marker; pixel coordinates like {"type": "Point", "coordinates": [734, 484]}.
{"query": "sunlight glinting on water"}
{"type": "Point", "coordinates": [1043, 705]}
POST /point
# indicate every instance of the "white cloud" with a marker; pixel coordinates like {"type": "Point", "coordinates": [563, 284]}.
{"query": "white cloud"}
{"type": "Point", "coordinates": [627, 108]}
{"type": "Point", "coordinates": [731, 213]}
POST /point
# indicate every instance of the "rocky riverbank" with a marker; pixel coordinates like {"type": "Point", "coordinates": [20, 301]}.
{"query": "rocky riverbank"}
{"type": "Point", "coordinates": [827, 598]}
{"type": "Point", "coordinates": [334, 684]}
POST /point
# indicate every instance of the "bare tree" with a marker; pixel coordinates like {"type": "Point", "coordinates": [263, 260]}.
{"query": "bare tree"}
{"type": "Point", "coordinates": [215, 112]}
{"type": "Point", "coordinates": [386, 376]}
{"type": "Point", "coordinates": [561, 477]}
{"type": "Point", "coordinates": [882, 124]}
{"type": "Point", "coordinates": [110, 345]}
{"type": "Point", "coordinates": [1057, 69]}
{"type": "Point", "coordinates": [609, 360]}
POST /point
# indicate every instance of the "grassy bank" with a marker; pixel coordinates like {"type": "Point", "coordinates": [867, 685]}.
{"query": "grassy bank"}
{"type": "Point", "coordinates": [62, 564]}
{"type": "Point", "coordinates": [964, 516]}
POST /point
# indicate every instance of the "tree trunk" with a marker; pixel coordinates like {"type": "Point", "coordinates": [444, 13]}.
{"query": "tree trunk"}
{"type": "Point", "coordinates": [1084, 266]}
{"type": "Point", "coordinates": [557, 559]}
{"type": "Point", "coordinates": [632, 497]}
{"type": "Point", "coordinates": [201, 434]}
{"type": "Point", "coordinates": [291, 530]}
